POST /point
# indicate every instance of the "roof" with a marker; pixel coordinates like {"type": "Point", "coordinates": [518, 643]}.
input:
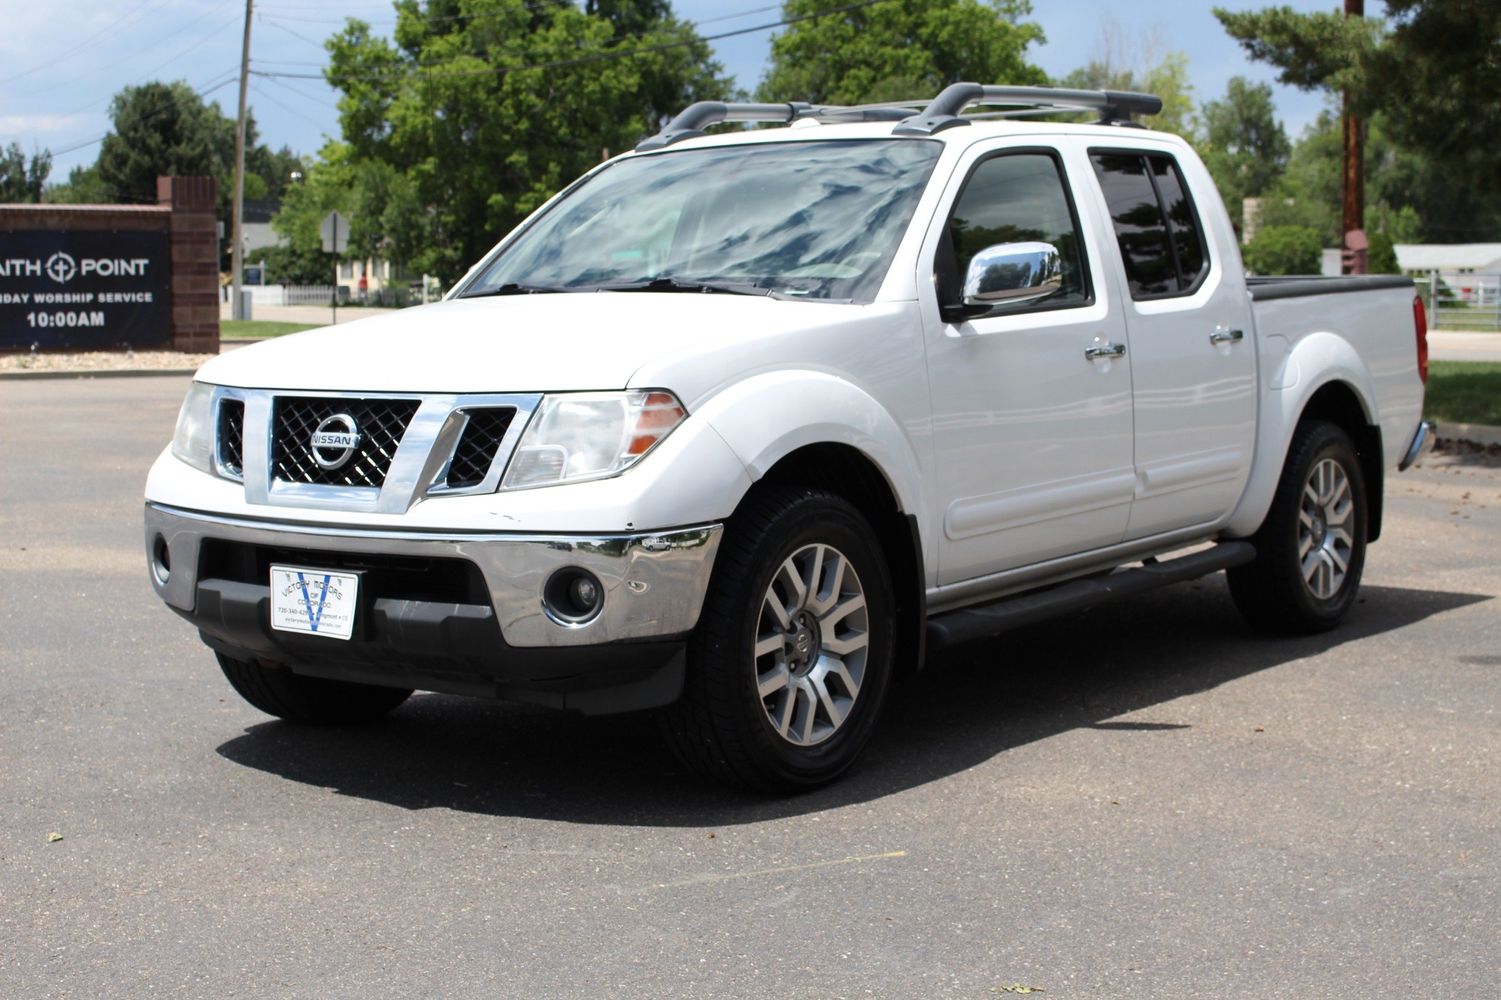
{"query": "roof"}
{"type": "Point", "coordinates": [1449, 256]}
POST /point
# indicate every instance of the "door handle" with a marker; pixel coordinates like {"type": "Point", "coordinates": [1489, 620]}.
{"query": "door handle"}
{"type": "Point", "coordinates": [1105, 350]}
{"type": "Point", "coordinates": [1227, 336]}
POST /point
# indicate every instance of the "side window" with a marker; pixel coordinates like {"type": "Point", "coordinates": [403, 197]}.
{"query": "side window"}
{"type": "Point", "coordinates": [1019, 198]}
{"type": "Point", "coordinates": [1161, 240]}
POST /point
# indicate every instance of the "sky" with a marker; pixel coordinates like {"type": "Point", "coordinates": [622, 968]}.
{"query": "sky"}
{"type": "Point", "coordinates": [60, 65]}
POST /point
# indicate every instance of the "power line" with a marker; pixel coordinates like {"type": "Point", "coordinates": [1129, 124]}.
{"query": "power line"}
{"type": "Point", "coordinates": [421, 71]}
{"type": "Point", "coordinates": [85, 43]}
{"type": "Point", "coordinates": [287, 107]}
{"type": "Point", "coordinates": [146, 117]}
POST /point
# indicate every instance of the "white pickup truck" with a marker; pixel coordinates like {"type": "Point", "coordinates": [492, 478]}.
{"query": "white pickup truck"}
{"type": "Point", "coordinates": [741, 424]}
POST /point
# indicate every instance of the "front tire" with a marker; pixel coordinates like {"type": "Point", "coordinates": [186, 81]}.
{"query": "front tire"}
{"type": "Point", "coordinates": [1310, 550]}
{"type": "Point", "coordinates": [311, 700]}
{"type": "Point", "coordinates": [789, 665]}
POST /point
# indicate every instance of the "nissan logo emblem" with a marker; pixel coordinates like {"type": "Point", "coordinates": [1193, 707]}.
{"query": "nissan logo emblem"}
{"type": "Point", "coordinates": [335, 441]}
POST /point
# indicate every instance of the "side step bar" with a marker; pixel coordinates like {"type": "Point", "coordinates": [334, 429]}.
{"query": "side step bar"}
{"type": "Point", "coordinates": [956, 627]}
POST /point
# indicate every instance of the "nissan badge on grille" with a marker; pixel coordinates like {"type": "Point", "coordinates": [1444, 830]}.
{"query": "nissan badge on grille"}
{"type": "Point", "coordinates": [335, 440]}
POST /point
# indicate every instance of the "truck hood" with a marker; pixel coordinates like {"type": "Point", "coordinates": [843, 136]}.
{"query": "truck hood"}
{"type": "Point", "coordinates": [525, 343]}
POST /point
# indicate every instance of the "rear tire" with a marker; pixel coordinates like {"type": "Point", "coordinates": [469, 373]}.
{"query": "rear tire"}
{"type": "Point", "coordinates": [1310, 550]}
{"type": "Point", "coordinates": [789, 665]}
{"type": "Point", "coordinates": [311, 700]}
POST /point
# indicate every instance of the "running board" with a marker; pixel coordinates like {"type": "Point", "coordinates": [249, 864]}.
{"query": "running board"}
{"type": "Point", "coordinates": [956, 627]}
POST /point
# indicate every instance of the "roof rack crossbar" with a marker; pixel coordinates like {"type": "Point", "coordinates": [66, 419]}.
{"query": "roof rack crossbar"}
{"type": "Point", "coordinates": [692, 120]}
{"type": "Point", "coordinates": [1115, 106]}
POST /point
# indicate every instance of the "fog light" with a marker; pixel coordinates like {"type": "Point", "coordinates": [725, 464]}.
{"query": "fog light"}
{"type": "Point", "coordinates": [573, 596]}
{"type": "Point", "coordinates": [161, 561]}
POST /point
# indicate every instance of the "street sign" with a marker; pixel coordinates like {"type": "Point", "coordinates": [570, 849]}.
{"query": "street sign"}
{"type": "Point", "coordinates": [335, 232]}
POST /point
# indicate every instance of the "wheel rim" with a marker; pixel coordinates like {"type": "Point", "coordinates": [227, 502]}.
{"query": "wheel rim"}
{"type": "Point", "coordinates": [812, 639]}
{"type": "Point", "coordinates": [1326, 537]}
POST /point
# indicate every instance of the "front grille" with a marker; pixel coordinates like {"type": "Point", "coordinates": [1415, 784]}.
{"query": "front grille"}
{"type": "Point", "coordinates": [380, 423]}
{"type": "Point", "coordinates": [477, 445]}
{"type": "Point", "coordinates": [232, 436]}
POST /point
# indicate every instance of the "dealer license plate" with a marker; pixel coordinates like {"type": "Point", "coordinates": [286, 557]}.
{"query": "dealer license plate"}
{"type": "Point", "coordinates": [313, 601]}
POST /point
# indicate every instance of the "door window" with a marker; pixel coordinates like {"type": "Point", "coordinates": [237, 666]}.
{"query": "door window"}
{"type": "Point", "coordinates": [1161, 239]}
{"type": "Point", "coordinates": [1017, 198]}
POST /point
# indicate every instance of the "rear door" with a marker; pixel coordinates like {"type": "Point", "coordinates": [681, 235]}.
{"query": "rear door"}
{"type": "Point", "coordinates": [1193, 360]}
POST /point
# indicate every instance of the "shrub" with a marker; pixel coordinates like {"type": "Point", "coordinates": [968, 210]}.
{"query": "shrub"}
{"type": "Point", "coordinates": [1284, 250]}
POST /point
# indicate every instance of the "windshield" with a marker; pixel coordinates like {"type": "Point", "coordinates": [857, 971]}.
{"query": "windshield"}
{"type": "Point", "coordinates": [799, 219]}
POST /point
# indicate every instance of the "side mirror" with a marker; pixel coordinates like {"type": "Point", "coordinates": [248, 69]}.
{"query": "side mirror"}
{"type": "Point", "coordinates": [1011, 273]}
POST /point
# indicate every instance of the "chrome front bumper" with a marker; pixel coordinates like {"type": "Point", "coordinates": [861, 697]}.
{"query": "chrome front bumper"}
{"type": "Point", "coordinates": [654, 582]}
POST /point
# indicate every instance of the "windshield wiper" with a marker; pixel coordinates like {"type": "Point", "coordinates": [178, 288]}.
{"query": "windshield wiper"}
{"type": "Point", "coordinates": [665, 284]}
{"type": "Point", "coordinates": [512, 288]}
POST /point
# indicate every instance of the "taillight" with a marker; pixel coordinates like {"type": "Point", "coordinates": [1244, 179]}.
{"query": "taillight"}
{"type": "Point", "coordinates": [1420, 325]}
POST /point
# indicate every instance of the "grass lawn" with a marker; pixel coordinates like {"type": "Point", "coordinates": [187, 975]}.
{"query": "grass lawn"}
{"type": "Point", "coordinates": [1464, 392]}
{"type": "Point", "coordinates": [242, 329]}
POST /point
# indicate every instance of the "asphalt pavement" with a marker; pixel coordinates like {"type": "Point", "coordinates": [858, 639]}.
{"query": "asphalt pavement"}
{"type": "Point", "coordinates": [1148, 800]}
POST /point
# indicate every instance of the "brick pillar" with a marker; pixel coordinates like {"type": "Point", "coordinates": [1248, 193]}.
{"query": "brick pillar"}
{"type": "Point", "coordinates": [195, 262]}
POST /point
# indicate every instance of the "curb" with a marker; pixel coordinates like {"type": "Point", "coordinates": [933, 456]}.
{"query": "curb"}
{"type": "Point", "coordinates": [1478, 434]}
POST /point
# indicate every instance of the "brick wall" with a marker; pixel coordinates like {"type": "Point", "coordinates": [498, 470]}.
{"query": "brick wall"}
{"type": "Point", "coordinates": [185, 212]}
{"type": "Point", "coordinates": [195, 262]}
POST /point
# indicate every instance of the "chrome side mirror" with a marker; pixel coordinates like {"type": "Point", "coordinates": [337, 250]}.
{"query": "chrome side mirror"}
{"type": "Point", "coordinates": [1012, 273]}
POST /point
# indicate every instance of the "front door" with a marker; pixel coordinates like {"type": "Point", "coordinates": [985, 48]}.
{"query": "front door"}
{"type": "Point", "coordinates": [1031, 403]}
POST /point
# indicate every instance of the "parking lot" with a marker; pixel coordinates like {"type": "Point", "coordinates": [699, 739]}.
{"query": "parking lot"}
{"type": "Point", "coordinates": [1147, 800]}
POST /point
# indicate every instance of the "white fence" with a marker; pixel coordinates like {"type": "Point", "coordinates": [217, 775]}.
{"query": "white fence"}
{"type": "Point", "coordinates": [291, 295]}
{"type": "Point", "coordinates": [1462, 301]}
{"type": "Point", "coordinates": [323, 295]}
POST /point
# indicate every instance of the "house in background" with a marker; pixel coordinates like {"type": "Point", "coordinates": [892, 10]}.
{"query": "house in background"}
{"type": "Point", "coordinates": [1472, 271]}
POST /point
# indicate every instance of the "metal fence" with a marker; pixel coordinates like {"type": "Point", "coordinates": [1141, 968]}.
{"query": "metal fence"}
{"type": "Point", "coordinates": [1459, 301]}
{"type": "Point", "coordinates": [323, 295]}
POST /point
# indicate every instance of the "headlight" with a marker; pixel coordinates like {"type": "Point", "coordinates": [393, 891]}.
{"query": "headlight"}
{"type": "Point", "coordinates": [194, 441]}
{"type": "Point", "coordinates": [578, 436]}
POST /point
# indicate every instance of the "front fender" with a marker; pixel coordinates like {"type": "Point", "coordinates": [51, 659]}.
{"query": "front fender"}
{"type": "Point", "coordinates": [769, 416]}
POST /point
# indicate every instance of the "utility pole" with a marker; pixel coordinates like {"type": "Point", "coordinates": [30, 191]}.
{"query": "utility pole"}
{"type": "Point", "coordinates": [237, 245]}
{"type": "Point", "coordinates": [1352, 208]}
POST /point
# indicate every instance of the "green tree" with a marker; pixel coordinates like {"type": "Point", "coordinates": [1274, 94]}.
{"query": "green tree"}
{"type": "Point", "coordinates": [160, 130]}
{"type": "Point", "coordinates": [1243, 144]}
{"type": "Point", "coordinates": [1284, 250]}
{"type": "Point", "coordinates": [83, 187]}
{"type": "Point", "coordinates": [1437, 80]}
{"type": "Point", "coordinates": [482, 109]}
{"type": "Point", "coordinates": [1433, 75]}
{"type": "Point", "coordinates": [1381, 256]}
{"type": "Point", "coordinates": [1408, 197]}
{"type": "Point", "coordinates": [20, 179]}
{"type": "Point", "coordinates": [897, 50]}
{"type": "Point", "coordinates": [1166, 78]}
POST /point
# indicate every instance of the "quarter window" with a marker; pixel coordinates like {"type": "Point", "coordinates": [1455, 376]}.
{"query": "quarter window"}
{"type": "Point", "coordinates": [1161, 239]}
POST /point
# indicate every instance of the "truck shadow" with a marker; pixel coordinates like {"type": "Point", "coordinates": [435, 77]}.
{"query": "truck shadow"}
{"type": "Point", "coordinates": [968, 706]}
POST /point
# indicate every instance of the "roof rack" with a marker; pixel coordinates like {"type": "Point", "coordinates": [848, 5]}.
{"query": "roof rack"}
{"type": "Point", "coordinates": [692, 120]}
{"type": "Point", "coordinates": [913, 117]}
{"type": "Point", "coordinates": [1115, 106]}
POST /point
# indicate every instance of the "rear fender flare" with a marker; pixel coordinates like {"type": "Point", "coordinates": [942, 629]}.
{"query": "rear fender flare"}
{"type": "Point", "coordinates": [1285, 394]}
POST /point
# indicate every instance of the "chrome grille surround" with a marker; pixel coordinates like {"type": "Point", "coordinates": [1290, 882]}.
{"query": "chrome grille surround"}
{"type": "Point", "coordinates": [402, 466]}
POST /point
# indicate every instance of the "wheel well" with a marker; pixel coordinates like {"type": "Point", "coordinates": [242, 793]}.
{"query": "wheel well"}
{"type": "Point", "coordinates": [849, 473]}
{"type": "Point", "coordinates": [1338, 403]}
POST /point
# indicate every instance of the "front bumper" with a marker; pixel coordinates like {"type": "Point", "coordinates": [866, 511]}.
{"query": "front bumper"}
{"type": "Point", "coordinates": [448, 611]}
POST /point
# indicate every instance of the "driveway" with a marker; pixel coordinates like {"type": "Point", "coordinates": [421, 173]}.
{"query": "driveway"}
{"type": "Point", "coordinates": [1147, 800]}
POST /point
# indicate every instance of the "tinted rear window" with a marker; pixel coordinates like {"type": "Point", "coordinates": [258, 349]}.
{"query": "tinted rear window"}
{"type": "Point", "coordinates": [1159, 234]}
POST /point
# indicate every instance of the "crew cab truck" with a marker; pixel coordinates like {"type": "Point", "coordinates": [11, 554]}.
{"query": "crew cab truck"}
{"type": "Point", "coordinates": [740, 424]}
